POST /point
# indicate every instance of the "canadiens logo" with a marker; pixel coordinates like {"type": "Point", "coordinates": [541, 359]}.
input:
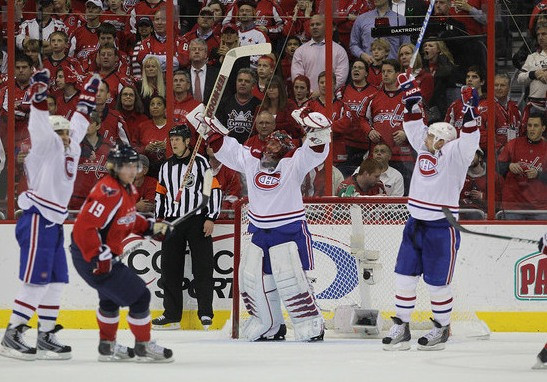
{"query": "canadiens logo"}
{"type": "Point", "coordinates": [265, 181]}
{"type": "Point", "coordinates": [108, 191]}
{"type": "Point", "coordinates": [70, 167]}
{"type": "Point", "coordinates": [427, 164]}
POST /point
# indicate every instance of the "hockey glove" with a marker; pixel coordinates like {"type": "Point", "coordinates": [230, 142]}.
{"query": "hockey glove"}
{"type": "Point", "coordinates": [412, 94]}
{"type": "Point", "coordinates": [39, 84]}
{"type": "Point", "coordinates": [470, 100]}
{"type": "Point", "coordinates": [156, 230]}
{"type": "Point", "coordinates": [102, 263]}
{"type": "Point", "coordinates": [86, 103]}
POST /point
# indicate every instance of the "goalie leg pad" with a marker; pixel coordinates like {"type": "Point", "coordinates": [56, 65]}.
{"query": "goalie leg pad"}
{"type": "Point", "coordinates": [254, 293]}
{"type": "Point", "coordinates": [296, 293]}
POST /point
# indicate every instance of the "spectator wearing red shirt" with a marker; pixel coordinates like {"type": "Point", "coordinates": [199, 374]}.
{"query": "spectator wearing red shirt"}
{"type": "Point", "coordinates": [151, 137]}
{"type": "Point", "coordinates": [264, 126]}
{"type": "Point", "coordinates": [301, 90]}
{"type": "Point", "coordinates": [144, 30]}
{"type": "Point", "coordinates": [423, 78]}
{"type": "Point", "coordinates": [107, 62]}
{"type": "Point", "coordinates": [68, 16]}
{"type": "Point", "coordinates": [454, 114]}
{"type": "Point", "coordinates": [68, 93]}
{"type": "Point", "coordinates": [365, 183]}
{"type": "Point", "coordinates": [278, 104]}
{"type": "Point", "coordinates": [85, 39]}
{"type": "Point", "coordinates": [113, 127]}
{"type": "Point", "coordinates": [145, 8]}
{"type": "Point", "coordinates": [130, 106]}
{"type": "Point", "coordinates": [299, 24]}
{"type": "Point", "coordinates": [204, 31]}
{"type": "Point", "coordinates": [156, 44]}
{"type": "Point", "coordinates": [59, 59]}
{"type": "Point", "coordinates": [267, 15]}
{"type": "Point", "coordinates": [356, 97]}
{"type": "Point", "coordinates": [120, 19]}
{"type": "Point", "coordinates": [522, 162]}
{"type": "Point", "coordinates": [347, 12]}
{"type": "Point", "coordinates": [146, 187]}
{"type": "Point", "coordinates": [379, 50]}
{"type": "Point", "coordinates": [264, 70]}
{"type": "Point", "coordinates": [472, 13]}
{"type": "Point", "coordinates": [92, 164]}
{"type": "Point", "coordinates": [293, 43]}
{"type": "Point", "coordinates": [508, 116]}
{"type": "Point", "coordinates": [107, 35]}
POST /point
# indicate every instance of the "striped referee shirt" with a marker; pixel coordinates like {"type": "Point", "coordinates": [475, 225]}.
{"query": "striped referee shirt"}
{"type": "Point", "coordinates": [169, 180]}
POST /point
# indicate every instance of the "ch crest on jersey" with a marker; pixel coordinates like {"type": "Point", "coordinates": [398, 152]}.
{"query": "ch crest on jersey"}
{"type": "Point", "coordinates": [265, 181]}
{"type": "Point", "coordinates": [427, 164]}
{"type": "Point", "coordinates": [108, 191]}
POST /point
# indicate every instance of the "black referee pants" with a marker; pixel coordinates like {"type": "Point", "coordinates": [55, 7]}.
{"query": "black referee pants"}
{"type": "Point", "coordinates": [189, 232]}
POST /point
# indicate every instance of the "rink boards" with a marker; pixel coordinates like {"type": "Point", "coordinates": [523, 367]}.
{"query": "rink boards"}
{"type": "Point", "coordinates": [504, 282]}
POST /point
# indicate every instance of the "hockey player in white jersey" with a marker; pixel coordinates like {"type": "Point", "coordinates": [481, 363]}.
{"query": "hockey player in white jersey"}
{"type": "Point", "coordinates": [51, 170]}
{"type": "Point", "coordinates": [430, 243]}
{"type": "Point", "coordinates": [273, 269]}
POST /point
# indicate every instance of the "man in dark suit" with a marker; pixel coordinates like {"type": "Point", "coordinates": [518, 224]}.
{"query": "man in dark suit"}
{"type": "Point", "coordinates": [202, 76]}
{"type": "Point", "coordinates": [413, 10]}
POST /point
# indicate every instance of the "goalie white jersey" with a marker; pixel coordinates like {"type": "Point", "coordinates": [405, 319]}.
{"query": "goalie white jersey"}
{"type": "Point", "coordinates": [444, 170]}
{"type": "Point", "coordinates": [50, 168]}
{"type": "Point", "coordinates": [275, 198]}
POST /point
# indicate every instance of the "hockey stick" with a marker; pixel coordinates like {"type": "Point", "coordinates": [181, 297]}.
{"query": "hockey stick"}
{"type": "Point", "coordinates": [207, 186]}
{"type": "Point", "coordinates": [127, 252]}
{"type": "Point", "coordinates": [454, 223]}
{"type": "Point", "coordinates": [421, 36]}
{"type": "Point", "coordinates": [216, 95]}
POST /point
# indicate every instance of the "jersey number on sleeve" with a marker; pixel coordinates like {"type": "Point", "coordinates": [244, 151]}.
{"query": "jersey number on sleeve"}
{"type": "Point", "coordinates": [96, 209]}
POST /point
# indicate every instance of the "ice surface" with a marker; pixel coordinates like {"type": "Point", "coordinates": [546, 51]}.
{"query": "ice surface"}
{"type": "Point", "coordinates": [211, 356]}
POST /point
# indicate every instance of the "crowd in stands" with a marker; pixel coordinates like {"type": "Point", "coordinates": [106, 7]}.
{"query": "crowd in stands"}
{"type": "Point", "coordinates": [125, 41]}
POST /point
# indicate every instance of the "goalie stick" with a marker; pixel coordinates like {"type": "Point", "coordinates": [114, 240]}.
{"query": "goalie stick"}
{"type": "Point", "coordinates": [216, 95]}
{"type": "Point", "coordinates": [454, 223]}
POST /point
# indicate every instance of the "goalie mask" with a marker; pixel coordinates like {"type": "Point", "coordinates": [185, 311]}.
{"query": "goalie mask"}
{"type": "Point", "coordinates": [278, 144]}
{"type": "Point", "coordinates": [442, 130]}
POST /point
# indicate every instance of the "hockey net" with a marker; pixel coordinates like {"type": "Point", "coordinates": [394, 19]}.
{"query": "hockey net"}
{"type": "Point", "coordinates": [342, 228]}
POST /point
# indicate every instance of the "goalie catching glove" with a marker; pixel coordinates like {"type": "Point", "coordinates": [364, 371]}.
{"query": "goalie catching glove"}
{"type": "Point", "coordinates": [205, 126]}
{"type": "Point", "coordinates": [316, 125]}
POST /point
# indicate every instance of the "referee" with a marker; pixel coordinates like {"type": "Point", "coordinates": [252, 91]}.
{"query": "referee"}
{"type": "Point", "coordinates": [196, 231]}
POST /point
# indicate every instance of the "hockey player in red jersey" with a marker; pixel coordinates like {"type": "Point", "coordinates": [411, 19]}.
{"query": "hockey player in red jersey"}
{"type": "Point", "coordinates": [107, 217]}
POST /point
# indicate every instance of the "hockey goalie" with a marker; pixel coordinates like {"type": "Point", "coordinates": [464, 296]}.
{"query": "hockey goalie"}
{"type": "Point", "coordinates": [273, 269]}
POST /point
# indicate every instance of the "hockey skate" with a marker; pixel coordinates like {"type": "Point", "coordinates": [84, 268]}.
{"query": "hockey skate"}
{"type": "Point", "coordinates": [398, 337]}
{"type": "Point", "coordinates": [14, 346]}
{"type": "Point", "coordinates": [279, 336]}
{"type": "Point", "coordinates": [164, 323]}
{"type": "Point", "coordinates": [48, 347]}
{"type": "Point", "coordinates": [149, 351]}
{"type": "Point", "coordinates": [206, 321]}
{"type": "Point", "coordinates": [541, 360]}
{"type": "Point", "coordinates": [111, 351]}
{"type": "Point", "coordinates": [436, 338]}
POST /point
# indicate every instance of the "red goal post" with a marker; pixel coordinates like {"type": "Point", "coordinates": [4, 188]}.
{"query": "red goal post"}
{"type": "Point", "coordinates": [345, 230]}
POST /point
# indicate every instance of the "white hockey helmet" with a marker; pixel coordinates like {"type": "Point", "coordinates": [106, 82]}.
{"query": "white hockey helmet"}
{"type": "Point", "coordinates": [59, 123]}
{"type": "Point", "coordinates": [442, 130]}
